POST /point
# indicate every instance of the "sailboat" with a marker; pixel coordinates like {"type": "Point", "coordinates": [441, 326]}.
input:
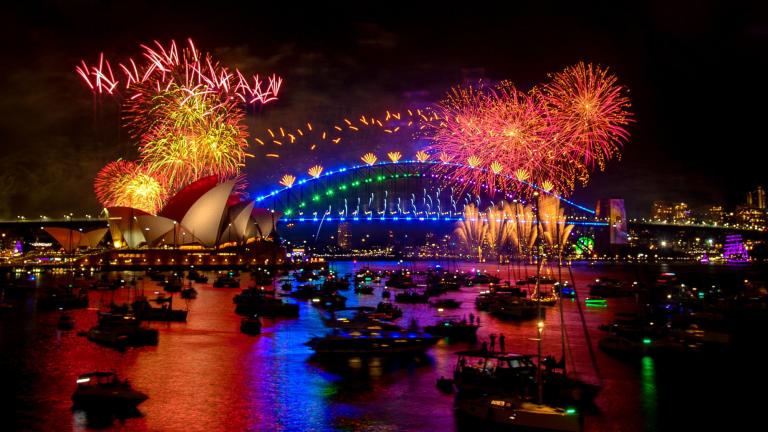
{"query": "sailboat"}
{"type": "Point", "coordinates": [514, 390]}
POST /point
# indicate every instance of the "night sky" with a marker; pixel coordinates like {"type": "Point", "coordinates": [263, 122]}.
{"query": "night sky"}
{"type": "Point", "coordinates": [696, 73]}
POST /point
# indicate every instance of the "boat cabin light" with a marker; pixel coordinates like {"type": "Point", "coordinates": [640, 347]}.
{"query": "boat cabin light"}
{"type": "Point", "coordinates": [83, 380]}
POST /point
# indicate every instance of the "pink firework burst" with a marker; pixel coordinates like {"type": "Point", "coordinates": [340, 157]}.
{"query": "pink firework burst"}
{"type": "Point", "coordinates": [189, 68]}
{"type": "Point", "coordinates": [589, 112]}
{"type": "Point", "coordinates": [499, 137]}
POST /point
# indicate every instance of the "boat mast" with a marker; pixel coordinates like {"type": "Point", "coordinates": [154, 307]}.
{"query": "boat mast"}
{"type": "Point", "coordinates": [539, 322]}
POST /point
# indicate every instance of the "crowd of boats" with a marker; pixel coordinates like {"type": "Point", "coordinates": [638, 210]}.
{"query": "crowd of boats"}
{"type": "Point", "coordinates": [497, 386]}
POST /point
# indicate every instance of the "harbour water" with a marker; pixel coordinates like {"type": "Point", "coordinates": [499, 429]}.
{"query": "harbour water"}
{"type": "Point", "coordinates": [205, 375]}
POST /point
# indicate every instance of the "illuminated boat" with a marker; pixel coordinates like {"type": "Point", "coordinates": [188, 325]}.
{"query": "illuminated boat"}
{"type": "Point", "coordinates": [372, 342]}
{"type": "Point", "coordinates": [105, 390]}
{"type": "Point", "coordinates": [508, 374]}
{"type": "Point", "coordinates": [516, 412]}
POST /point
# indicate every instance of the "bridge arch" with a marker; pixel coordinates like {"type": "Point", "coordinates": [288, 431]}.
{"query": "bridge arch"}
{"type": "Point", "coordinates": [406, 189]}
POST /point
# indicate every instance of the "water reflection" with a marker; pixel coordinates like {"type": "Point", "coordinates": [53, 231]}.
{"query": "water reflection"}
{"type": "Point", "coordinates": [648, 389]}
{"type": "Point", "coordinates": [206, 375]}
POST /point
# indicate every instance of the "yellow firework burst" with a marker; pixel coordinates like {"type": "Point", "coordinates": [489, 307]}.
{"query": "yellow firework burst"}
{"type": "Point", "coordinates": [287, 180]}
{"type": "Point", "coordinates": [369, 158]}
{"type": "Point", "coordinates": [394, 156]}
{"type": "Point", "coordinates": [421, 156]}
{"type": "Point", "coordinates": [522, 174]}
{"type": "Point", "coordinates": [496, 167]}
{"type": "Point", "coordinates": [315, 171]}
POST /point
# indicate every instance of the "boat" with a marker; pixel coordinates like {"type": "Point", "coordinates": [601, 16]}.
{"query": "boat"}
{"type": "Point", "coordinates": [365, 318]}
{"type": "Point", "coordinates": [189, 293]}
{"type": "Point", "coordinates": [513, 307]}
{"type": "Point", "coordinates": [330, 301]}
{"type": "Point", "coordinates": [363, 289]}
{"type": "Point", "coordinates": [518, 413]}
{"type": "Point", "coordinates": [120, 331]}
{"type": "Point", "coordinates": [250, 325]}
{"type": "Point", "coordinates": [253, 301]}
{"type": "Point", "coordinates": [453, 328]}
{"type": "Point", "coordinates": [172, 284]}
{"type": "Point", "coordinates": [196, 276]}
{"type": "Point", "coordinates": [387, 311]}
{"type": "Point", "coordinates": [608, 287]}
{"type": "Point", "coordinates": [66, 322]}
{"type": "Point", "coordinates": [105, 390]}
{"type": "Point", "coordinates": [411, 297]}
{"type": "Point", "coordinates": [226, 281]}
{"type": "Point", "coordinates": [361, 342]}
{"type": "Point", "coordinates": [145, 311]}
{"type": "Point", "coordinates": [446, 303]}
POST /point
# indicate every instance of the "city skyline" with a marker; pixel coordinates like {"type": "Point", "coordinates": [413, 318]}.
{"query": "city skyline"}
{"type": "Point", "coordinates": [667, 58]}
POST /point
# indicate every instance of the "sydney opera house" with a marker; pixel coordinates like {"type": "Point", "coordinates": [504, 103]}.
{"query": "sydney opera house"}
{"type": "Point", "coordinates": [207, 223]}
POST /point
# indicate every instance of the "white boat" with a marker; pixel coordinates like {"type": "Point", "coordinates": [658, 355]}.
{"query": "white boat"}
{"type": "Point", "coordinates": [514, 411]}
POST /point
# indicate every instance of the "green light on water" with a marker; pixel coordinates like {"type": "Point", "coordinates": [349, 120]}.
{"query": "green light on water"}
{"type": "Point", "coordinates": [647, 341]}
{"type": "Point", "coordinates": [303, 204]}
{"type": "Point", "coordinates": [570, 411]}
{"type": "Point", "coordinates": [316, 198]}
{"type": "Point", "coordinates": [596, 302]}
{"type": "Point", "coordinates": [288, 212]}
{"type": "Point", "coordinates": [329, 192]}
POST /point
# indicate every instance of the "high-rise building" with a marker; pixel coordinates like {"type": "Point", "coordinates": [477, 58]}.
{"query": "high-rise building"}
{"type": "Point", "coordinates": [756, 198]}
{"type": "Point", "coordinates": [344, 236]}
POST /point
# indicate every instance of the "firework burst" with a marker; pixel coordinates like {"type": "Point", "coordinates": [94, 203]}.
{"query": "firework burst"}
{"type": "Point", "coordinates": [184, 110]}
{"type": "Point", "coordinates": [127, 184]}
{"type": "Point", "coordinates": [552, 137]}
{"type": "Point", "coordinates": [193, 135]}
{"type": "Point", "coordinates": [589, 111]}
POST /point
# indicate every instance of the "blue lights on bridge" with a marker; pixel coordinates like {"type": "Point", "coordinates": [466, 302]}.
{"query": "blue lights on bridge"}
{"type": "Point", "coordinates": [404, 219]}
{"type": "Point", "coordinates": [331, 173]}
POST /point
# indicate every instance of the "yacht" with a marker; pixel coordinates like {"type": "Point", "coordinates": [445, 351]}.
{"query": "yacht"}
{"type": "Point", "coordinates": [105, 390]}
{"type": "Point", "coordinates": [519, 413]}
{"type": "Point", "coordinates": [372, 342]}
